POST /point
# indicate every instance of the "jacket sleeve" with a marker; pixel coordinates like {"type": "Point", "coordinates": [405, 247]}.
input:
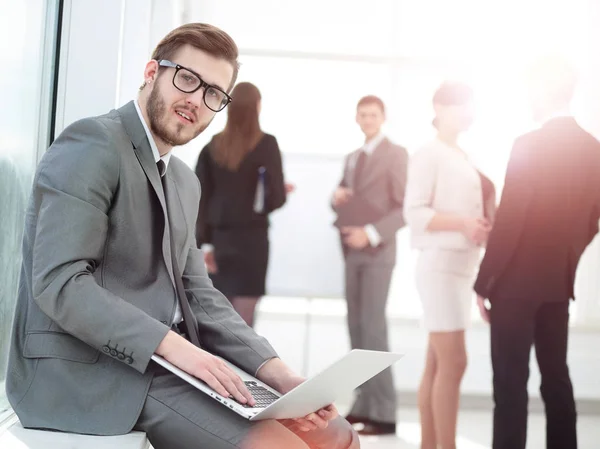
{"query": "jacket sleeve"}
{"type": "Point", "coordinates": [73, 193]}
{"type": "Point", "coordinates": [222, 330]}
{"type": "Point", "coordinates": [508, 221]}
{"type": "Point", "coordinates": [420, 190]}
{"type": "Point", "coordinates": [342, 182]}
{"type": "Point", "coordinates": [394, 220]}
{"type": "Point", "coordinates": [275, 187]}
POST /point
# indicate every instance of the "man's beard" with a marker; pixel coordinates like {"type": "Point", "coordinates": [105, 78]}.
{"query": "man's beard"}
{"type": "Point", "coordinates": [156, 110]}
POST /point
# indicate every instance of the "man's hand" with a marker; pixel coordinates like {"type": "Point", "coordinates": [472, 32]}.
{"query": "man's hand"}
{"type": "Point", "coordinates": [204, 366]}
{"type": "Point", "coordinates": [277, 374]}
{"type": "Point", "coordinates": [341, 196]}
{"type": "Point", "coordinates": [355, 237]}
{"type": "Point", "coordinates": [289, 188]}
{"type": "Point", "coordinates": [483, 310]}
{"type": "Point", "coordinates": [211, 264]}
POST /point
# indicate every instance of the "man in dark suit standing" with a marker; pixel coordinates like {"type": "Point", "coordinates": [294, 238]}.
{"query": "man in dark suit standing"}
{"type": "Point", "coordinates": [369, 202]}
{"type": "Point", "coordinates": [548, 214]}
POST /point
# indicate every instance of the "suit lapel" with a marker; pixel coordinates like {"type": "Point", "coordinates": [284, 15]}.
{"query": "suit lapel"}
{"type": "Point", "coordinates": [375, 165]}
{"type": "Point", "coordinates": [143, 152]}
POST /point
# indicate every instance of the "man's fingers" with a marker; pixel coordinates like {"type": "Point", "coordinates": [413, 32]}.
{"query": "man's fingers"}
{"type": "Point", "coordinates": [214, 383]}
{"type": "Point", "coordinates": [241, 386]}
{"type": "Point", "coordinates": [328, 413]}
{"type": "Point", "coordinates": [317, 420]}
{"type": "Point", "coordinates": [232, 389]}
{"type": "Point", "coordinates": [226, 377]}
{"type": "Point", "coordinates": [305, 424]}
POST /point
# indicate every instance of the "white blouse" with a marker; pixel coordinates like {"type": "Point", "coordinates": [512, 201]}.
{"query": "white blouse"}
{"type": "Point", "coordinates": [441, 179]}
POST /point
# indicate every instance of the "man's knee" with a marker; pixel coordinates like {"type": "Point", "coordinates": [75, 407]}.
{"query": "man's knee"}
{"type": "Point", "coordinates": [271, 434]}
{"type": "Point", "coordinates": [351, 435]}
{"type": "Point", "coordinates": [338, 435]}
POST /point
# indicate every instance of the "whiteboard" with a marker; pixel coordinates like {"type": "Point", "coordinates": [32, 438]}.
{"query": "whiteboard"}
{"type": "Point", "coordinates": [305, 257]}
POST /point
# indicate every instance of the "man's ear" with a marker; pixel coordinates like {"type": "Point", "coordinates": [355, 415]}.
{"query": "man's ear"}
{"type": "Point", "coordinates": [151, 71]}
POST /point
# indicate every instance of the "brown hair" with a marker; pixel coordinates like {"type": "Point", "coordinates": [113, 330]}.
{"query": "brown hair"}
{"type": "Point", "coordinates": [242, 131]}
{"type": "Point", "coordinates": [202, 36]}
{"type": "Point", "coordinates": [371, 99]}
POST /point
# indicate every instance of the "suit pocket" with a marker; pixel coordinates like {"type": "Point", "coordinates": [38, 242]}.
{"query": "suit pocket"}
{"type": "Point", "coordinates": [58, 345]}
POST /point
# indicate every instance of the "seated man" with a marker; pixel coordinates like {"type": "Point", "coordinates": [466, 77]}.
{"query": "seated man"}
{"type": "Point", "coordinates": [111, 220]}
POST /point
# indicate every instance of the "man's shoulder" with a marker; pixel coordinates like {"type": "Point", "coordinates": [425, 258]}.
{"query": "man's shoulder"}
{"type": "Point", "coordinates": [108, 125]}
{"type": "Point", "coordinates": [182, 172]}
{"type": "Point", "coordinates": [556, 133]}
{"type": "Point", "coordinates": [394, 147]}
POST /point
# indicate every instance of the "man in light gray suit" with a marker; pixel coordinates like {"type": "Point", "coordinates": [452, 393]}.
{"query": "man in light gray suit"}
{"type": "Point", "coordinates": [109, 230]}
{"type": "Point", "coordinates": [369, 202]}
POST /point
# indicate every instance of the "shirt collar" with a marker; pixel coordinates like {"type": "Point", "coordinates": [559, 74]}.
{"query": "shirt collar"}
{"type": "Point", "coordinates": [370, 145]}
{"type": "Point", "coordinates": [155, 152]}
{"type": "Point", "coordinates": [562, 113]}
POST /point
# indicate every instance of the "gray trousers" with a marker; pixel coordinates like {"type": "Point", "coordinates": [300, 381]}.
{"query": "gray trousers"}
{"type": "Point", "coordinates": [178, 416]}
{"type": "Point", "coordinates": [367, 288]}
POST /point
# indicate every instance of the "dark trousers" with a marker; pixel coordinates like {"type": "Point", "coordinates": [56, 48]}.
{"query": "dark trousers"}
{"type": "Point", "coordinates": [516, 325]}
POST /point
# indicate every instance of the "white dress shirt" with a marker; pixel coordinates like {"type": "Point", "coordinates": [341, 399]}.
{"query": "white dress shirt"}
{"type": "Point", "coordinates": [178, 317]}
{"type": "Point", "coordinates": [441, 179]}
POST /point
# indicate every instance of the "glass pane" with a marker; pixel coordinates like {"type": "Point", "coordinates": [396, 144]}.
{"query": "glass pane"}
{"type": "Point", "coordinates": [335, 26]}
{"type": "Point", "coordinates": [311, 104]}
{"type": "Point", "coordinates": [308, 104]}
{"type": "Point", "coordinates": [22, 36]}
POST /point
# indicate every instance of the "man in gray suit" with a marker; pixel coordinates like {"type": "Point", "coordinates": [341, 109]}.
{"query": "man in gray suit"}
{"type": "Point", "coordinates": [109, 229]}
{"type": "Point", "coordinates": [369, 203]}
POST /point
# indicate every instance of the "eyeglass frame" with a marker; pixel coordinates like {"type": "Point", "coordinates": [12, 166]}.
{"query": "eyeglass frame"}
{"type": "Point", "coordinates": [203, 84]}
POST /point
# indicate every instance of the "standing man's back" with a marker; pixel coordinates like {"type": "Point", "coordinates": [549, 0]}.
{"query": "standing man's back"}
{"type": "Point", "coordinates": [548, 215]}
{"type": "Point", "coordinates": [559, 188]}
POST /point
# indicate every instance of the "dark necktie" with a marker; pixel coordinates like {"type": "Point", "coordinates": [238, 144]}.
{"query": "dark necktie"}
{"type": "Point", "coordinates": [189, 324]}
{"type": "Point", "coordinates": [359, 167]}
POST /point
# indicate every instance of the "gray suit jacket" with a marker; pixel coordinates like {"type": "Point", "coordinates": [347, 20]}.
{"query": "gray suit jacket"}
{"type": "Point", "coordinates": [382, 183]}
{"type": "Point", "coordinates": [97, 292]}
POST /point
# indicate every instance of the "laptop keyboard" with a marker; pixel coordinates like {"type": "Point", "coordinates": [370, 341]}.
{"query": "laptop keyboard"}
{"type": "Point", "coordinates": [261, 395]}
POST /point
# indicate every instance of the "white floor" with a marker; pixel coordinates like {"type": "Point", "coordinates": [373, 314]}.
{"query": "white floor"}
{"type": "Point", "coordinates": [310, 335]}
{"type": "Point", "coordinates": [475, 430]}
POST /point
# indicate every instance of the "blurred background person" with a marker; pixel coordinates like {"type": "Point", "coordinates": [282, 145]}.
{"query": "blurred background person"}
{"type": "Point", "coordinates": [547, 217]}
{"type": "Point", "coordinates": [449, 207]}
{"type": "Point", "coordinates": [368, 203]}
{"type": "Point", "coordinates": [241, 177]}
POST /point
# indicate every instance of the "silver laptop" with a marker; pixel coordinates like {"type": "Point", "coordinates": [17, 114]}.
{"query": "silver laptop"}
{"type": "Point", "coordinates": [335, 381]}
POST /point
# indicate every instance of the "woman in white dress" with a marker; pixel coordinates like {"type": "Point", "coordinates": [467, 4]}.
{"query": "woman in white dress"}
{"type": "Point", "coordinates": [449, 208]}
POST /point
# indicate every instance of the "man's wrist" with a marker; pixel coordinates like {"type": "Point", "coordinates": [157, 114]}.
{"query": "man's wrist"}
{"type": "Point", "coordinates": [274, 373]}
{"type": "Point", "coordinates": [166, 345]}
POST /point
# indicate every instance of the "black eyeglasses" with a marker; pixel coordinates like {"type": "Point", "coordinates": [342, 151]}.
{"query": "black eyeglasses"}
{"type": "Point", "coordinates": [188, 81]}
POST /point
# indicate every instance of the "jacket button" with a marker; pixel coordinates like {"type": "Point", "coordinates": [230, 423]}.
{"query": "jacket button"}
{"type": "Point", "coordinates": [121, 356]}
{"type": "Point", "coordinates": [129, 360]}
{"type": "Point", "coordinates": [113, 352]}
{"type": "Point", "coordinates": [164, 322]}
{"type": "Point", "coordinates": [105, 348]}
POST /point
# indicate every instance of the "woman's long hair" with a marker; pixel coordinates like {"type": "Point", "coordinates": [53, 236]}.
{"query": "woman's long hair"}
{"type": "Point", "coordinates": [242, 131]}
